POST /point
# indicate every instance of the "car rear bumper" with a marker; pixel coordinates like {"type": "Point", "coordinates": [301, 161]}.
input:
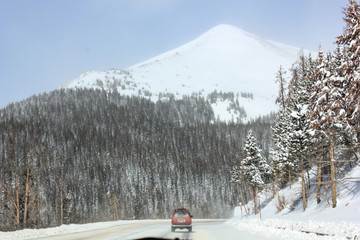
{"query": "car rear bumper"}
{"type": "Point", "coordinates": [180, 225]}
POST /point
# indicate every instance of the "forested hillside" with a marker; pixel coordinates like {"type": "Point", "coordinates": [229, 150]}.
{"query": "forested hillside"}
{"type": "Point", "coordinates": [76, 156]}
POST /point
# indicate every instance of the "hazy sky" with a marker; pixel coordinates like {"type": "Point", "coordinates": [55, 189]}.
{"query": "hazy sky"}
{"type": "Point", "coordinates": [46, 43]}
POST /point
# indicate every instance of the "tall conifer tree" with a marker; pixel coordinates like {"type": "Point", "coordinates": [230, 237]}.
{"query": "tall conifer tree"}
{"type": "Point", "coordinates": [350, 39]}
{"type": "Point", "coordinates": [254, 167]}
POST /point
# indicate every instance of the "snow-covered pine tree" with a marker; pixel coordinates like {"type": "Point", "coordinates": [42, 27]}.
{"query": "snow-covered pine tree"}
{"type": "Point", "coordinates": [326, 112]}
{"type": "Point", "coordinates": [283, 169]}
{"type": "Point", "coordinates": [281, 80]}
{"type": "Point", "coordinates": [299, 138]}
{"type": "Point", "coordinates": [238, 178]}
{"type": "Point", "coordinates": [308, 69]}
{"type": "Point", "coordinates": [318, 106]}
{"type": "Point", "coordinates": [350, 39]}
{"type": "Point", "coordinates": [254, 169]}
{"type": "Point", "coordinates": [338, 83]}
{"type": "Point", "coordinates": [280, 153]}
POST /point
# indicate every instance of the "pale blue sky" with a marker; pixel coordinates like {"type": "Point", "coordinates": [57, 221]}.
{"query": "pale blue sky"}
{"type": "Point", "coordinates": [46, 43]}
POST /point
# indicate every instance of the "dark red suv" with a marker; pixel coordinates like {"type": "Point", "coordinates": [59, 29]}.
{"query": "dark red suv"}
{"type": "Point", "coordinates": [181, 218]}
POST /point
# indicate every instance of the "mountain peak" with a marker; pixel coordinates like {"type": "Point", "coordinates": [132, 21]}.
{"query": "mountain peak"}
{"type": "Point", "coordinates": [224, 28]}
{"type": "Point", "coordinates": [225, 58]}
{"type": "Point", "coordinates": [227, 30]}
{"type": "Point", "coordinates": [227, 36]}
{"type": "Point", "coordinates": [224, 34]}
{"type": "Point", "coordinates": [227, 40]}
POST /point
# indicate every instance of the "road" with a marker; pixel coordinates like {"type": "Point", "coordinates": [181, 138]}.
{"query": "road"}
{"type": "Point", "coordinates": [202, 229]}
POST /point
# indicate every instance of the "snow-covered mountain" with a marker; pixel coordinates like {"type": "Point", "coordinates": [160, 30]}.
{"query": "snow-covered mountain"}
{"type": "Point", "coordinates": [224, 59]}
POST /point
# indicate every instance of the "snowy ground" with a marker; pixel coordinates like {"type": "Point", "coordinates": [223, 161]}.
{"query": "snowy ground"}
{"type": "Point", "coordinates": [342, 222]}
{"type": "Point", "coordinates": [64, 229]}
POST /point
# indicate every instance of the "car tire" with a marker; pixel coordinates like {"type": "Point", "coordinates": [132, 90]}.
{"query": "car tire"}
{"type": "Point", "coordinates": [172, 229]}
{"type": "Point", "coordinates": [190, 229]}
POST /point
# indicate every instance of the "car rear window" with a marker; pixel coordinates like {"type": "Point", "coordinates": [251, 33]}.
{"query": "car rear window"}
{"type": "Point", "coordinates": [181, 214]}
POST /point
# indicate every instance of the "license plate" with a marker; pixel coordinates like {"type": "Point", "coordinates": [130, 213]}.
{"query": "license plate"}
{"type": "Point", "coordinates": [181, 220]}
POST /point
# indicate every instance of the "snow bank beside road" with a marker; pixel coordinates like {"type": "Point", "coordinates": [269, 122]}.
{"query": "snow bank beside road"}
{"type": "Point", "coordinates": [66, 229]}
{"type": "Point", "coordinates": [286, 229]}
{"type": "Point", "coordinates": [342, 222]}
{"type": "Point", "coordinates": [77, 228]}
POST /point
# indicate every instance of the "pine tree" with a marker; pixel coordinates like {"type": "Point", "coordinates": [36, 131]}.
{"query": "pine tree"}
{"type": "Point", "coordinates": [280, 153]}
{"type": "Point", "coordinates": [326, 112]}
{"type": "Point", "coordinates": [350, 68]}
{"type": "Point", "coordinates": [280, 79]}
{"type": "Point", "coordinates": [299, 138]}
{"type": "Point", "coordinates": [254, 169]}
{"type": "Point", "coordinates": [338, 87]}
{"type": "Point", "coordinates": [238, 179]}
{"type": "Point", "coordinates": [283, 169]}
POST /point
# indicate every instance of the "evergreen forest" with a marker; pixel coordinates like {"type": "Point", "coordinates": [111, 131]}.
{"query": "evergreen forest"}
{"type": "Point", "coordinates": [84, 155]}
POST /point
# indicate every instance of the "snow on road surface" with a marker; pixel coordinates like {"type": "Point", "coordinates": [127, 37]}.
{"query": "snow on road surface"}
{"type": "Point", "coordinates": [202, 229]}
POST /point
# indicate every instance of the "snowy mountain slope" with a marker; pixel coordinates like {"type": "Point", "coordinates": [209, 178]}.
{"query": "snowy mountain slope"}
{"type": "Point", "coordinates": [225, 59]}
